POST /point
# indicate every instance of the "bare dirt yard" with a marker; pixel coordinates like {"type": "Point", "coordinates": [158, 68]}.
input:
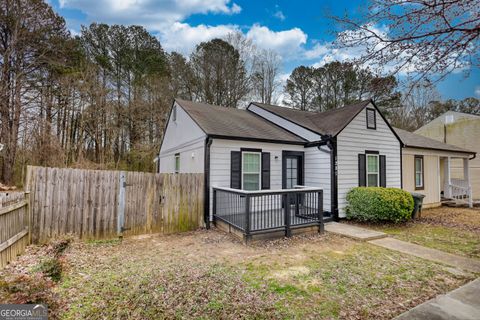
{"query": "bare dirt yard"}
{"type": "Point", "coordinates": [453, 230]}
{"type": "Point", "coordinates": [207, 274]}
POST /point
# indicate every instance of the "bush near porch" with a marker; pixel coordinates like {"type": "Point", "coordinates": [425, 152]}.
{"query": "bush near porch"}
{"type": "Point", "coordinates": [377, 204]}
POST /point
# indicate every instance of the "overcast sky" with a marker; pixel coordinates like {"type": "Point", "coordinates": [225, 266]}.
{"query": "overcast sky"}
{"type": "Point", "coordinates": [296, 29]}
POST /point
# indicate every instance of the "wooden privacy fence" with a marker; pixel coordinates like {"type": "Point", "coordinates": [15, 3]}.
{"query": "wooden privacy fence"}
{"type": "Point", "coordinates": [101, 204]}
{"type": "Point", "coordinates": [14, 220]}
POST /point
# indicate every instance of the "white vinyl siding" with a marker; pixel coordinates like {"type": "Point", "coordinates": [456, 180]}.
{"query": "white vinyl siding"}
{"type": "Point", "coordinates": [317, 172]}
{"type": "Point", "coordinates": [356, 139]}
{"type": "Point", "coordinates": [183, 137]}
{"type": "Point", "coordinates": [220, 161]}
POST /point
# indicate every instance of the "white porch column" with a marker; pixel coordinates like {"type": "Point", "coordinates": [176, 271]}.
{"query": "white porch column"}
{"type": "Point", "coordinates": [446, 170]}
{"type": "Point", "coordinates": [466, 177]}
{"type": "Point", "coordinates": [466, 171]}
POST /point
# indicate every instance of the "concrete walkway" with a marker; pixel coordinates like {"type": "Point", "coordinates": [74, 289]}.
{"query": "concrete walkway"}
{"type": "Point", "coordinates": [462, 303]}
{"type": "Point", "coordinates": [380, 239]}
{"type": "Point", "coordinates": [353, 232]}
{"type": "Point", "coordinates": [459, 262]}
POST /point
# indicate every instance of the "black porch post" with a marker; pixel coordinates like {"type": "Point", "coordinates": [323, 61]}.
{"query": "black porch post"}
{"type": "Point", "coordinates": [321, 226]}
{"type": "Point", "coordinates": [288, 231]}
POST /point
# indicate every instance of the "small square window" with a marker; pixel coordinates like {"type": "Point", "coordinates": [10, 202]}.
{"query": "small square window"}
{"type": "Point", "coordinates": [177, 163]}
{"type": "Point", "coordinates": [371, 119]}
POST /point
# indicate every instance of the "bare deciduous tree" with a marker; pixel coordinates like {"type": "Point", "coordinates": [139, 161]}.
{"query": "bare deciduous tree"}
{"type": "Point", "coordinates": [30, 35]}
{"type": "Point", "coordinates": [431, 37]}
{"type": "Point", "coordinates": [265, 75]}
{"type": "Point", "coordinates": [417, 101]}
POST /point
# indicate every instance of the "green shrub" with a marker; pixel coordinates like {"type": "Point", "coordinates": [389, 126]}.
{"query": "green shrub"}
{"type": "Point", "coordinates": [379, 204]}
{"type": "Point", "coordinates": [51, 268]}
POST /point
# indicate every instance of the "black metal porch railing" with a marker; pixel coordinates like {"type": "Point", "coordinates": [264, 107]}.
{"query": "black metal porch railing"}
{"type": "Point", "coordinates": [269, 210]}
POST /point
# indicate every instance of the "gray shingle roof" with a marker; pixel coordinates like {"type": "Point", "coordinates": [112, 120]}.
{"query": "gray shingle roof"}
{"type": "Point", "coordinates": [414, 140]}
{"type": "Point", "coordinates": [235, 123]}
{"type": "Point", "coordinates": [330, 122]}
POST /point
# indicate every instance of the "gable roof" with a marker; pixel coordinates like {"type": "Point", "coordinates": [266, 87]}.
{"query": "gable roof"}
{"type": "Point", "coordinates": [222, 122]}
{"type": "Point", "coordinates": [414, 140]}
{"type": "Point", "coordinates": [329, 122]}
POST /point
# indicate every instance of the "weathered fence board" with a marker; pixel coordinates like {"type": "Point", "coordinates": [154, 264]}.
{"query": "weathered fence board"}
{"type": "Point", "coordinates": [14, 222]}
{"type": "Point", "coordinates": [97, 204]}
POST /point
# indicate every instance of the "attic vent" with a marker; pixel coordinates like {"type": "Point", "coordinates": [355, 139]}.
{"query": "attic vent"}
{"type": "Point", "coordinates": [371, 119]}
{"type": "Point", "coordinates": [449, 118]}
{"type": "Point", "coordinates": [174, 113]}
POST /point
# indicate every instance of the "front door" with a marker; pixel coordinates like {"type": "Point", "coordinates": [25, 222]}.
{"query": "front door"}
{"type": "Point", "coordinates": [292, 169]}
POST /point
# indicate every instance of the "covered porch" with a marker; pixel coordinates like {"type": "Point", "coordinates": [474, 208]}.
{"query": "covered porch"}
{"type": "Point", "coordinates": [455, 182]}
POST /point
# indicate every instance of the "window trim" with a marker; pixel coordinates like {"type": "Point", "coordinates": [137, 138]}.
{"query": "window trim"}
{"type": "Point", "coordinates": [259, 153]}
{"type": "Point", "coordinates": [175, 169]}
{"type": "Point", "coordinates": [377, 156]}
{"type": "Point", "coordinates": [422, 186]}
{"type": "Point", "coordinates": [374, 118]}
{"type": "Point", "coordinates": [285, 154]}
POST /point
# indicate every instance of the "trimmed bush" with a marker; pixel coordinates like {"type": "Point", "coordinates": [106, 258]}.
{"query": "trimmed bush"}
{"type": "Point", "coordinates": [377, 204]}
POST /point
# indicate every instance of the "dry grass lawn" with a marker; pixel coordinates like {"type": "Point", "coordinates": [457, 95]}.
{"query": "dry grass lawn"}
{"type": "Point", "coordinates": [210, 275]}
{"type": "Point", "coordinates": [454, 230]}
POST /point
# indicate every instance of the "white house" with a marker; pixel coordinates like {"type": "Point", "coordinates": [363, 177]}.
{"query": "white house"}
{"type": "Point", "coordinates": [273, 148]}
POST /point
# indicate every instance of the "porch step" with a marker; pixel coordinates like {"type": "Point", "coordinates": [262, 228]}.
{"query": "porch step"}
{"type": "Point", "coordinates": [353, 232]}
{"type": "Point", "coordinates": [453, 204]}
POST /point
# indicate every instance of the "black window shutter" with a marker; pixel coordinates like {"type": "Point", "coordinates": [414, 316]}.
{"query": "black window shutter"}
{"type": "Point", "coordinates": [236, 170]}
{"type": "Point", "coordinates": [383, 171]}
{"type": "Point", "coordinates": [361, 171]}
{"type": "Point", "coordinates": [265, 170]}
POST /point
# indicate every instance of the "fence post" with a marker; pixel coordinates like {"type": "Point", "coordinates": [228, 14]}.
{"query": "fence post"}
{"type": "Point", "coordinates": [321, 226]}
{"type": "Point", "coordinates": [121, 203]}
{"type": "Point", "coordinates": [288, 231]}
{"type": "Point", "coordinates": [29, 216]}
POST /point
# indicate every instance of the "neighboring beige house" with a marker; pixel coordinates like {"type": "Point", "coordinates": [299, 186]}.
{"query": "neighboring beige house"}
{"type": "Point", "coordinates": [426, 169]}
{"type": "Point", "coordinates": [461, 130]}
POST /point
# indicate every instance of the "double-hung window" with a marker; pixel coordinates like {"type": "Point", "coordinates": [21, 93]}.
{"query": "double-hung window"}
{"type": "Point", "coordinates": [372, 170]}
{"type": "Point", "coordinates": [177, 163]}
{"type": "Point", "coordinates": [251, 170]}
{"type": "Point", "coordinates": [418, 172]}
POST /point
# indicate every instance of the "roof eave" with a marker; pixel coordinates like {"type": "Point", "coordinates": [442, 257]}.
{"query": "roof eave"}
{"type": "Point", "coordinates": [323, 135]}
{"type": "Point", "coordinates": [439, 149]}
{"type": "Point", "coordinates": [227, 137]}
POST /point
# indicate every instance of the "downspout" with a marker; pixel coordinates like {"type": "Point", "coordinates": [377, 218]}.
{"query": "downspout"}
{"type": "Point", "coordinates": [331, 143]}
{"type": "Point", "coordinates": [206, 172]}
{"type": "Point", "coordinates": [401, 165]}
